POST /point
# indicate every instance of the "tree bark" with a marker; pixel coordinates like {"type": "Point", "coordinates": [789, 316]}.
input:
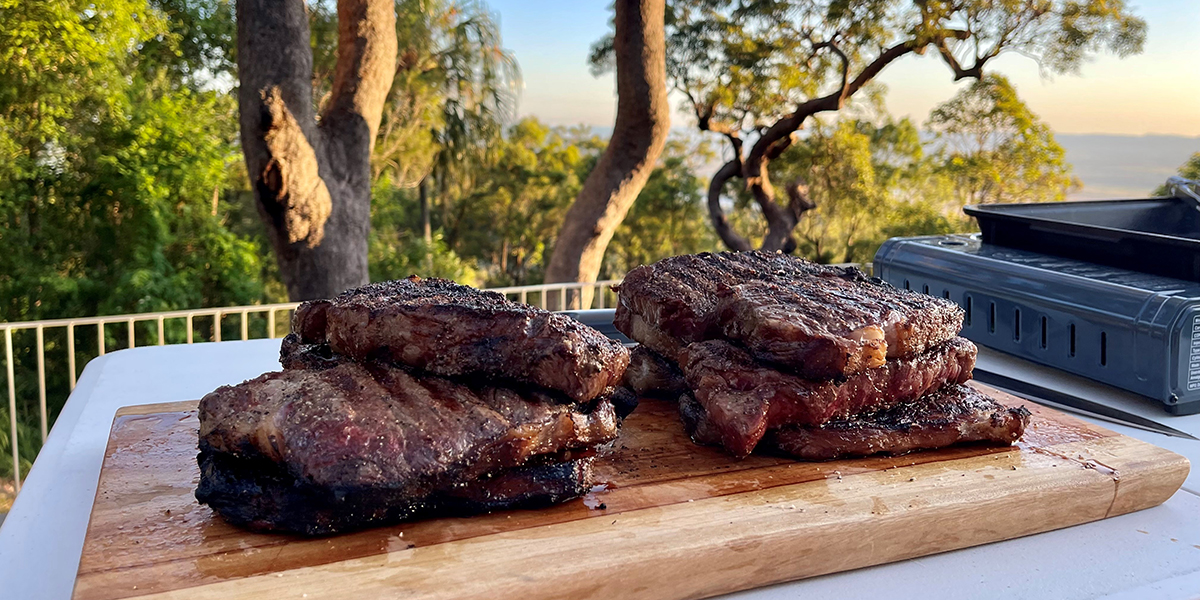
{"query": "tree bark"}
{"type": "Point", "coordinates": [639, 134]}
{"type": "Point", "coordinates": [312, 180]}
{"type": "Point", "coordinates": [716, 187]}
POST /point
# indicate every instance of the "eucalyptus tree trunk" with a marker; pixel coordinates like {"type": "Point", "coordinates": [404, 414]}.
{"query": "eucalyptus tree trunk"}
{"type": "Point", "coordinates": [312, 176]}
{"type": "Point", "coordinates": [639, 134]}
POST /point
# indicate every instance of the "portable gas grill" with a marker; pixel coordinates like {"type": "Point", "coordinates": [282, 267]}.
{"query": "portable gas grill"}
{"type": "Point", "coordinates": [1108, 290]}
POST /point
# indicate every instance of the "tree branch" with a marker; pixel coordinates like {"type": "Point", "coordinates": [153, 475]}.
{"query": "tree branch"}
{"type": "Point", "coordinates": [975, 71]}
{"type": "Point", "coordinates": [798, 200]}
{"type": "Point", "coordinates": [366, 64]}
{"type": "Point", "coordinates": [844, 88]}
{"type": "Point", "coordinates": [784, 127]}
{"type": "Point", "coordinates": [724, 230]}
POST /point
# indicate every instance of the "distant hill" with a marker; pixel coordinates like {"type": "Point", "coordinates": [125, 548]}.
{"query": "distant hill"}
{"type": "Point", "coordinates": [1124, 166]}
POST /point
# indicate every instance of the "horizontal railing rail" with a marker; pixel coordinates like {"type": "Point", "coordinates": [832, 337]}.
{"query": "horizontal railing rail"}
{"type": "Point", "coordinates": [75, 341]}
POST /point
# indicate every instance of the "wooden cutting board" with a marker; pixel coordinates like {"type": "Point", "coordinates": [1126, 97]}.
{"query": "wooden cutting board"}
{"type": "Point", "coordinates": [669, 520]}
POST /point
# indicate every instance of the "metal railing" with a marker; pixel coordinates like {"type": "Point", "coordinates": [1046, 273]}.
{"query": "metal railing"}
{"type": "Point", "coordinates": [175, 327]}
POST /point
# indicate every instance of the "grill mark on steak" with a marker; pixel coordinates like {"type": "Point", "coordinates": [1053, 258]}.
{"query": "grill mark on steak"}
{"type": "Point", "coordinates": [454, 330]}
{"type": "Point", "coordinates": [262, 495]}
{"type": "Point", "coordinates": [952, 415]}
{"type": "Point", "coordinates": [836, 326]}
{"type": "Point", "coordinates": [353, 426]}
{"type": "Point", "coordinates": [744, 398]}
{"type": "Point", "coordinates": [819, 320]}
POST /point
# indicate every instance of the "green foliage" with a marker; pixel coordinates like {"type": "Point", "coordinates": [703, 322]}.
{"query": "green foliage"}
{"type": "Point", "coordinates": [495, 227]}
{"type": "Point", "coordinates": [996, 149]}
{"type": "Point", "coordinates": [112, 157]}
{"type": "Point", "coordinates": [499, 218]}
{"type": "Point", "coordinates": [869, 182]}
{"type": "Point", "coordinates": [398, 250]}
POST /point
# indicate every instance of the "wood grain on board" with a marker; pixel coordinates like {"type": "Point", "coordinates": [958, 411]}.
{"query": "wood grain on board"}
{"type": "Point", "coordinates": [668, 520]}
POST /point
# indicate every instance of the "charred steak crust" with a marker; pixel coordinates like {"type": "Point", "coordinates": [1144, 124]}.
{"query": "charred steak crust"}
{"type": "Point", "coordinates": [454, 330]}
{"type": "Point", "coordinates": [262, 495]}
{"type": "Point", "coordinates": [650, 374]}
{"type": "Point", "coordinates": [819, 320]}
{"type": "Point", "coordinates": [744, 397]}
{"type": "Point", "coordinates": [354, 427]}
{"type": "Point", "coordinates": [953, 415]}
{"type": "Point", "coordinates": [297, 354]}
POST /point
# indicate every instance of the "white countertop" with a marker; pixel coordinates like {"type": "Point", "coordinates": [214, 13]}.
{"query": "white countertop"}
{"type": "Point", "coordinates": [1154, 553]}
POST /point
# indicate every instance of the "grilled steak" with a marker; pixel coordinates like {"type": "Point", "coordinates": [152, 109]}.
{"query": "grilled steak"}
{"type": "Point", "coordinates": [649, 374]}
{"type": "Point", "coordinates": [953, 415]}
{"type": "Point", "coordinates": [382, 433]}
{"type": "Point", "coordinates": [453, 330]}
{"type": "Point", "coordinates": [817, 320]}
{"type": "Point", "coordinates": [263, 495]}
{"type": "Point", "coordinates": [744, 397]}
{"type": "Point", "coordinates": [834, 323]}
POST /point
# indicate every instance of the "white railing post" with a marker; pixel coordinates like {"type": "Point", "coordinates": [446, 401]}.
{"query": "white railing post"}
{"type": "Point", "coordinates": [132, 340]}
{"type": "Point", "coordinates": [217, 326]}
{"type": "Point", "coordinates": [189, 327]}
{"type": "Point", "coordinates": [12, 408]}
{"type": "Point", "coordinates": [41, 366]}
{"type": "Point", "coordinates": [71, 352]}
{"type": "Point", "coordinates": [271, 323]}
{"type": "Point", "coordinates": [100, 337]}
{"type": "Point", "coordinates": [162, 336]}
{"type": "Point", "coordinates": [245, 325]}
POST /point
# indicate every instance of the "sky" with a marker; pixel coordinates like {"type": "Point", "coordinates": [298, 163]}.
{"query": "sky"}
{"type": "Point", "coordinates": [1156, 92]}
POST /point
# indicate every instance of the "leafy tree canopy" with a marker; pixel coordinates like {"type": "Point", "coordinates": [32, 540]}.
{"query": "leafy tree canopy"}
{"type": "Point", "coordinates": [996, 149]}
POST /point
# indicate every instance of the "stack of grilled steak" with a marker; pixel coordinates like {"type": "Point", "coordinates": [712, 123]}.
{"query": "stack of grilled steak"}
{"type": "Point", "coordinates": [767, 351]}
{"type": "Point", "coordinates": [409, 398]}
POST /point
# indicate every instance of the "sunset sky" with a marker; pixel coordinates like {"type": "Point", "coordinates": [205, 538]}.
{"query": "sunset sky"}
{"type": "Point", "coordinates": [1156, 92]}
